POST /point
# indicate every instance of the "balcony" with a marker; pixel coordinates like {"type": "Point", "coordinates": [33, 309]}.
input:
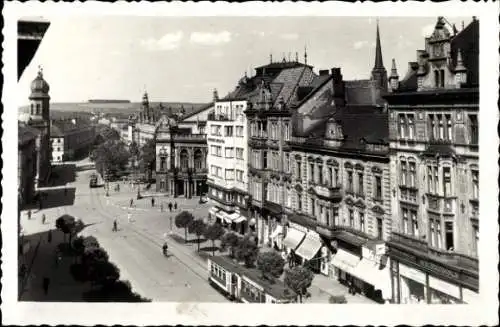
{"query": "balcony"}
{"type": "Point", "coordinates": [218, 117]}
{"type": "Point", "coordinates": [326, 231]}
{"type": "Point", "coordinates": [327, 192]}
{"type": "Point", "coordinates": [257, 142]}
{"type": "Point", "coordinates": [190, 138]}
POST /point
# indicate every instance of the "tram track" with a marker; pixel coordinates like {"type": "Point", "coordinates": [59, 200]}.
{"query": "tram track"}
{"type": "Point", "coordinates": [153, 239]}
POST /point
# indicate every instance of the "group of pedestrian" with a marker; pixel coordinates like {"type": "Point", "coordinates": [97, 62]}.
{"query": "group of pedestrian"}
{"type": "Point", "coordinates": [170, 205]}
{"type": "Point", "coordinates": [351, 288]}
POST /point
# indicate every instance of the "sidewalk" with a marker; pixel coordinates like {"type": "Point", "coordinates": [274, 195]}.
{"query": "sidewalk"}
{"type": "Point", "coordinates": [41, 262]}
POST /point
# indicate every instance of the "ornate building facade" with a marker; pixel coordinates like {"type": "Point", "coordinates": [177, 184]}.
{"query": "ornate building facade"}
{"type": "Point", "coordinates": [434, 161]}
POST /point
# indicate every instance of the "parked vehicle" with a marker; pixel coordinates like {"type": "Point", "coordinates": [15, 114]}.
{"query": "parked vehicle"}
{"type": "Point", "coordinates": [93, 181]}
{"type": "Point", "coordinates": [246, 285]}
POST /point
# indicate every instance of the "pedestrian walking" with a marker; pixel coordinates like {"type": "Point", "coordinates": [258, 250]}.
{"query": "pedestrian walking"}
{"type": "Point", "coordinates": [115, 226]}
{"type": "Point", "coordinates": [46, 283]}
{"type": "Point", "coordinates": [49, 236]}
{"type": "Point", "coordinates": [131, 202]}
{"type": "Point", "coordinates": [43, 219]}
{"type": "Point", "coordinates": [152, 202]}
{"type": "Point", "coordinates": [29, 214]}
{"type": "Point", "coordinates": [175, 205]}
{"type": "Point", "coordinates": [170, 206]}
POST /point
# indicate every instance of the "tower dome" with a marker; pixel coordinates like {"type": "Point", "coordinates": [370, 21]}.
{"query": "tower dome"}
{"type": "Point", "coordinates": [39, 87]}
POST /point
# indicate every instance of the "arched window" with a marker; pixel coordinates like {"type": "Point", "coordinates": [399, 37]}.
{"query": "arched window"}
{"type": "Point", "coordinates": [184, 159]}
{"type": "Point", "coordinates": [198, 160]}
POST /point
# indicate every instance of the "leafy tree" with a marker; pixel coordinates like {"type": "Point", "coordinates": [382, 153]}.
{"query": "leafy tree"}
{"type": "Point", "coordinates": [230, 240]}
{"type": "Point", "coordinates": [66, 224]}
{"type": "Point", "coordinates": [148, 157]}
{"type": "Point", "coordinates": [299, 279]}
{"type": "Point", "coordinates": [111, 157]}
{"type": "Point", "coordinates": [270, 264]}
{"type": "Point", "coordinates": [197, 227]}
{"type": "Point", "coordinates": [214, 232]}
{"type": "Point", "coordinates": [247, 251]}
{"type": "Point", "coordinates": [183, 220]}
{"type": "Point", "coordinates": [102, 272]}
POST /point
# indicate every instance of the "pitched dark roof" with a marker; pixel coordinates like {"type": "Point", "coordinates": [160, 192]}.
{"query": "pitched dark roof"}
{"type": "Point", "coordinates": [197, 111]}
{"type": "Point", "coordinates": [467, 41]}
{"type": "Point", "coordinates": [360, 124]}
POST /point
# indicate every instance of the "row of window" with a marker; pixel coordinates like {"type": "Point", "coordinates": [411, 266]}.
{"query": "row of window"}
{"type": "Point", "coordinates": [260, 129]}
{"type": "Point", "coordinates": [199, 162]}
{"type": "Point", "coordinates": [440, 231]}
{"type": "Point", "coordinates": [229, 174]}
{"type": "Point", "coordinates": [218, 272]}
{"type": "Point", "coordinates": [408, 178]}
{"type": "Point", "coordinates": [230, 111]}
{"type": "Point", "coordinates": [216, 130]}
{"type": "Point", "coordinates": [252, 292]}
{"type": "Point", "coordinates": [229, 152]}
{"type": "Point", "coordinates": [439, 126]}
{"type": "Point", "coordinates": [229, 197]}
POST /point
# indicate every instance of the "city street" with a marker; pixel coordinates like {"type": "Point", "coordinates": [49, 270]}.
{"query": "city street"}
{"type": "Point", "coordinates": [136, 247]}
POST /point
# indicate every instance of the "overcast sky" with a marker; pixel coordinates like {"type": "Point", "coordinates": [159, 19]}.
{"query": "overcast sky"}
{"type": "Point", "coordinates": [184, 59]}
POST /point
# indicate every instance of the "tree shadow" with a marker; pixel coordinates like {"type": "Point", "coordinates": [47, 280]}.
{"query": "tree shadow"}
{"type": "Point", "coordinates": [209, 249]}
{"type": "Point", "coordinates": [196, 241]}
{"type": "Point", "coordinates": [53, 198]}
{"type": "Point", "coordinates": [62, 174]}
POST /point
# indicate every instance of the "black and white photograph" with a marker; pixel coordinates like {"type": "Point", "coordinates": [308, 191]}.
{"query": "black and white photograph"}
{"type": "Point", "coordinates": [178, 162]}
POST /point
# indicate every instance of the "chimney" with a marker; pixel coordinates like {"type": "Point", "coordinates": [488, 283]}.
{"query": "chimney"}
{"type": "Point", "coordinates": [338, 83]}
{"type": "Point", "coordinates": [324, 72]}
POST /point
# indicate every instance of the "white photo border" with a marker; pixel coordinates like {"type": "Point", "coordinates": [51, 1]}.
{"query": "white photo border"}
{"type": "Point", "coordinates": [24, 313]}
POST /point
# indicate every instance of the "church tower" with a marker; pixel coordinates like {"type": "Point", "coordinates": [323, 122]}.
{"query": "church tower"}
{"type": "Point", "coordinates": [379, 74]}
{"type": "Point", "coordinates": [145, 107]}
{"type": "Point", "coordinates": [39, 118]}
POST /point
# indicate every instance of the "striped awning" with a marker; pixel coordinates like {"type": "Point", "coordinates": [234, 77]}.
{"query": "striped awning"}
{"type": "Point", "coordinates": [213, 210]}
{"type": "Point", "coordinates": [293, 238]}
{"type": "Point", "coordinates": [310, 246]}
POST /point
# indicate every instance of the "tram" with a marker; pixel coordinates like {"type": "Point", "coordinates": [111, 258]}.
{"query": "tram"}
{"type": "Point", "coordinates": [241, 284]}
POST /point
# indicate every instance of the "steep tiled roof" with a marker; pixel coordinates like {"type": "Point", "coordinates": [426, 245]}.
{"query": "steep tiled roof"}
{"type": "Point", "coordinates": [359, 124]}
{"type": "Point", "coordinates": [359, 92]}
{"type": "Point", "coordinates": [197, 111]}
{"type": "Point", "coordinates": [467, 41]}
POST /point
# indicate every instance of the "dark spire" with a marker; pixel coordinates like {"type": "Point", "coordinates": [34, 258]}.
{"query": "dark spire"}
{"type": "Point", "coordinates": [379, 63]}
{"type": "Point", "coordinates": [379, 74]}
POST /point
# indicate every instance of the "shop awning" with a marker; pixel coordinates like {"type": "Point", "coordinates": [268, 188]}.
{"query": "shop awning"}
{"type": "Point", "coordinates": [213, 210]}
{"type": "Point", "coordinates": [232, 217]}
{"type": "Point", "coordinates": [221, 215]}
{"type": "Point", "coordinates": [293, 238]}
{"type": "Point", "coordinates": [369, 272]}
{"type": "Point", "coordinates": [345, 261]}
{"type": "Point", "coordinates": [310, 246]}
{"type": "Point", "coordinates": [278, 230]}
{"type": "Point", "coordinates": [240, 219]}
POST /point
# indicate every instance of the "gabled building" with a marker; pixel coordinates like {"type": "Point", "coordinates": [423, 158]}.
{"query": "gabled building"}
{"type": "Point", "coordinates": [71, 138]}
{"type": "Point", "coordinates": [337, 204]}
{"type": "Point", "coordinates": [434, 146]}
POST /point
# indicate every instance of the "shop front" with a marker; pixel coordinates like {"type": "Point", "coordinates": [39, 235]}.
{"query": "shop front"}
{"type": "Point", "coordinates": [372, 274]}
{"type": "Point", "coordinates": [291, 242]}
{"type": "Point", "coordinates": [416, 286]}
{"type": "Point", "coordinates": [309, 251]}
{"type": "Point", "coordinates": [343, 265]}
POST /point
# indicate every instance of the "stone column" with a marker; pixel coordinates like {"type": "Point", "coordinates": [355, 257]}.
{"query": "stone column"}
{"type": "Point", "coordinates": [195, 192]}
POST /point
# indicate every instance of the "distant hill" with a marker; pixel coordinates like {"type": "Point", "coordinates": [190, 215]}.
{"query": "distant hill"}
{"type": "Point", "coordinates": [108, 101]}
{"type": "Point", "coordinates": [114, 107]}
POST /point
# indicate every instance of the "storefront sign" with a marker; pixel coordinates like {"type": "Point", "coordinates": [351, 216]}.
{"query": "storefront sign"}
{"type": "Point", "coordinates": [439, 269]}
{"type": "Point", "coordinates": [412, 273]}
{"type": "Point", "coordinates": [445, 287]}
